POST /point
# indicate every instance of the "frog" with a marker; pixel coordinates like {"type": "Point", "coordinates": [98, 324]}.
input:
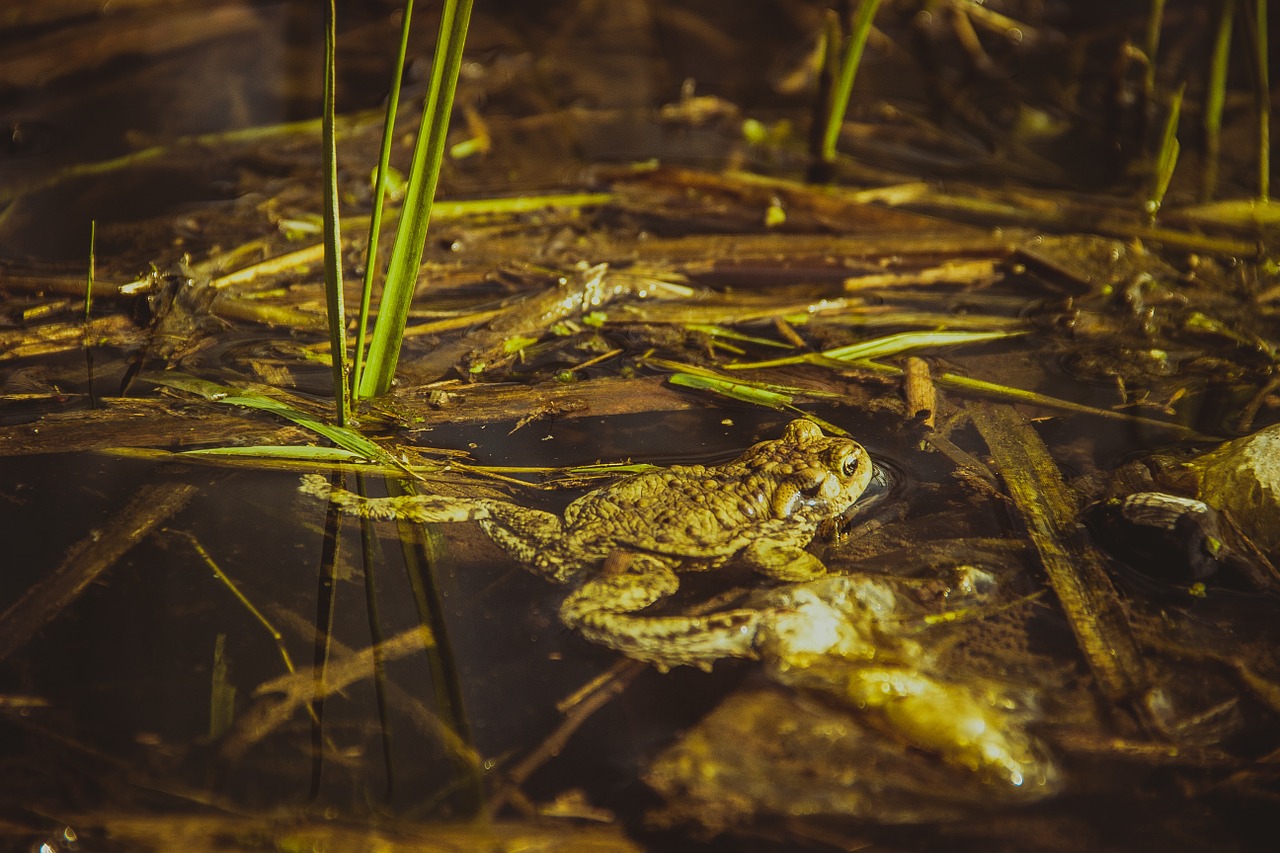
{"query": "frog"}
{"type": "Point", "coordinates": [622, 547]}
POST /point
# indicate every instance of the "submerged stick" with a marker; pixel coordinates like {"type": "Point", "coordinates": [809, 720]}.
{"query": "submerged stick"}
{"type": "Point", "coordinates": [88, 559]}
{"type": "Point", "coordinates": [1049, 510]}
{"type": "Point", "coordinates": [300, 689]}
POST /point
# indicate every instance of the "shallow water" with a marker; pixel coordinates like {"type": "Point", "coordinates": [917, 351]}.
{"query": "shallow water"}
{"type": "Point", "coordinates": [119, 704]}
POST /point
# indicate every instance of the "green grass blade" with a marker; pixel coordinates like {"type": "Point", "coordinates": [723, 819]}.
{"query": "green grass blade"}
{"type": "Point", "coordinates": [294, 452]}
{"type": "Point", "coordinates": [850, 58]}
{"type": "Point", "coordinates": [342, 436]}
{"type": "Point", "coordinates": [379, 194]}
{"type": "Point", "coordinates": [1215, 99]}
{"type": "Point", "coordinates": [905, 341]}
{"type": "Point", "coordinates": [1260, 34]}
{"type": "Point", "coordinates": [88, 285]}
{"type": "Point", "coordinates": [747, 392]}
{"type": "Point", "coordinates": [411, 233]}
{"type": "Point", "coordinates": [1167, 159]}
{"type": "Point", "coordinates": [332, 229]}
{"type": "Point", "coordinates": [1151, 44]}
{"type": "Point", "coordinates": [895, 344]}
{"type": "Point", "coordinates": [755, 393]}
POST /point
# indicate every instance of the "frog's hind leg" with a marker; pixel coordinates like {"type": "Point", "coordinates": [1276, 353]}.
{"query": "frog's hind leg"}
{"type": "Point", "coordinates": [604, 610]}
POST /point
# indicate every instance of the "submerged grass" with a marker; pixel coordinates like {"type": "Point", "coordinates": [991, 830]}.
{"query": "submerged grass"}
{"type": "Point", "coordinates": [276, 637]}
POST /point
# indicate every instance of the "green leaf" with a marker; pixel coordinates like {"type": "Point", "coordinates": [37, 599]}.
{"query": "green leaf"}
{"type": "Point", "coordinates": [905, 341]}
{"type": "Point", "coordinates": [300, 452]}
{"type": "Point", "coordinates": [342, 436]}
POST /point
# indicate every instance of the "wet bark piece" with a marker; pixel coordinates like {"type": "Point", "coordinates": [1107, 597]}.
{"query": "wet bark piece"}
{"type": "Point", "coordinates": [88, 559]}
{"type": "Point", "coordinates": [45, 58]}
{"type": "Point", "coordinates": [1049, 509]}
{"type": "Point", "coordinates": [603, 397]}
{"type": "Point", "coordinates": [141, 423]}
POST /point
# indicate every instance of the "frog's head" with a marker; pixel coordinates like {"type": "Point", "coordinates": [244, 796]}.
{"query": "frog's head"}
{"type": "Point", "coordinates": [817, 476]}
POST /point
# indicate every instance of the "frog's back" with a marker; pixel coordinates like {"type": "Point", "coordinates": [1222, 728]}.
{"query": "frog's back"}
{"type": "Point", "coordinates": [688, 511]}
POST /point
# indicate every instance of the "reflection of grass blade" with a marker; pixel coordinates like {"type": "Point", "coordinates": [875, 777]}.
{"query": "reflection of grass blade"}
{"type": "Point", "coordinates": [222, 693]}
{"type": "Point", "coordinates": [424, 549]}
{"type": "Point", "coordinates": [371, 552]}
{"type": "Point", "coordinates": [322, 636]}
{"type": "Point", "coordinates": [379, 192]}
{"type": "Point", "coordinates": [411, 233]}
{"type": "Point", "coordinates": [332, 230]}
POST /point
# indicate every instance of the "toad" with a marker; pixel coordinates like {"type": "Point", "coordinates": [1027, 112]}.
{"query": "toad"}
{"type": "Point", "coordinates": [624, 545]}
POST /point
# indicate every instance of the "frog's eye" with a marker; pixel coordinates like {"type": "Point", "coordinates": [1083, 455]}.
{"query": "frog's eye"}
{"type": "Point", "coordinates": [850, 465]}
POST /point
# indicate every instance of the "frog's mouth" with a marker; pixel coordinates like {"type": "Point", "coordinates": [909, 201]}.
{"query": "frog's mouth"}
{"type": "Point", "coordinates": [885, 481]}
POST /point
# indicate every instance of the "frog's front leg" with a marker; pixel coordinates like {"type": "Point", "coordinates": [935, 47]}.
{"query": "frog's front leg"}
{"type": "Point", "coordinates": [783, 557]}
{"type": "Point", "coordinates": [604, 610]}
{"type": "Point", "coordinates": [535, 538]}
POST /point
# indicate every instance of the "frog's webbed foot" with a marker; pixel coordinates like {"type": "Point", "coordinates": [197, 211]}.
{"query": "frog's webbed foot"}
{"type": "Point", "coordinates": [419, 508]}
{"type": "Point", "coordinates": [604, 610]}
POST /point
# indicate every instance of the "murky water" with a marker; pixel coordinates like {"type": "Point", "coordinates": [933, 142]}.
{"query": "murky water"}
{"type": "Point", "coordinates": [155, 604]}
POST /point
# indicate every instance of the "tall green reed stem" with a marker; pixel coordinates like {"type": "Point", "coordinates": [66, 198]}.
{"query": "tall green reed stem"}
{"type": "Point", "coordinates": [411, 233]}
{"type": "Point", "coordinates": [88, 285]}
{"type": "Point", "coordinates": [1151, 44]}
{"type": "Point", "coordinates": [333, 230]}
{"type": "Point", "coordinates": [850, 49]}
{"type": "Point", "coordinates": [379, 194]}
{"type": "Point", "coordinates": [1263, 87]}
{"type": "Point", "coordinates": [1215, 99]}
